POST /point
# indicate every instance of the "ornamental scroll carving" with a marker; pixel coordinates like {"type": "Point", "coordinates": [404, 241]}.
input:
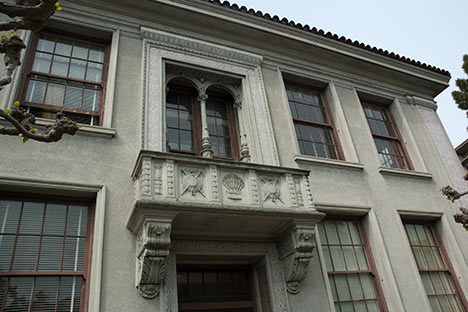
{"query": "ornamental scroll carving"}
{"type": "Point", "coordinates": [295, 251]}
{"type": "Point", "coordinates": [152, 250]}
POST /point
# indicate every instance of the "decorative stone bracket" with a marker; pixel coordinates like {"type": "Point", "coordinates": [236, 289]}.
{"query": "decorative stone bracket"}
{"type": "Point", "coordinates": [295, 251]}
{"type": "Point", "coordinates": [153, 242]}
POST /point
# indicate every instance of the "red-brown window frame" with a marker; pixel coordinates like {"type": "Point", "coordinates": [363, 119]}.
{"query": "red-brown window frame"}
{"type": "Point", "coordinates": [327, 115]}
{"type": "Point", "coordinates": [197, 126]}
{"type": "Point", "coordinates": [459, 291]}
{"type": "Point", "coordinates": [207, 306]}
{"type": "Point", "coordinates": [368, 253]}
{"type": "Point", "coordinates": [30, 62]}
{"type": "Point", "coordinates": [397, 138]}
{"type": "Point", "coordinates": [86, 273]}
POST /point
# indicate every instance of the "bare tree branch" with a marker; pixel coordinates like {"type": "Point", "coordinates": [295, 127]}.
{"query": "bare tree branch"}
{"type": "Point", "coordinates": [24, 122]}
{"type": "Point", "coordinates": [462, 218]}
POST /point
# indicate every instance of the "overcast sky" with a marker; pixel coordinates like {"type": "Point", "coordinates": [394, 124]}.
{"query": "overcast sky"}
{"type": "Point", "coordinates": [430, 31]}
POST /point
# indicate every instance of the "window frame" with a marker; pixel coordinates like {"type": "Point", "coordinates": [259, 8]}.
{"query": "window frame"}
{"type": "Point", "coordinates": [197, 123]}
{"type": "Point", "coordinates": [28, 72]}
{"type": "Point", "coordinates": [327, 115]}
{"type": "Point", "coordinates": [380, 298]}
{"type": "Point", "coordinates": [449, 268]}
{"type": "Point", "coordinates": [85, 274]}
{"type": "Point", "coordinates": [385, 109]}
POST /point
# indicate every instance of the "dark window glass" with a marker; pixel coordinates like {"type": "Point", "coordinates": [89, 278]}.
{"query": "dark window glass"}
{"type": "Point", "coordinates": [214, 290]}
{"type": "Point", "coordinates": [350, 270]}
{"type": "Point", "coordinates": [387, 140]}
{"type": "Point", "coordinates": [314, 128]}
{"type": "Point", "coordinates": [48, 242]}
{"type": "Point", "coordinates": [436, 274]}
{"type": "Point", "coordinates": [66, 75]}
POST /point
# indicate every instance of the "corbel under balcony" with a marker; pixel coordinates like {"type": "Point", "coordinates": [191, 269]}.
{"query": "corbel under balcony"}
{"type": "Point", "coordinates": [182, 196]}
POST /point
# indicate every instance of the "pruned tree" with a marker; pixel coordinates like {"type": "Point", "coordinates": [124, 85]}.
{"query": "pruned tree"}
{"type": "Point", "coordinates": [26, 15]}
{"type": "Point", "coordinates": [461, 98]}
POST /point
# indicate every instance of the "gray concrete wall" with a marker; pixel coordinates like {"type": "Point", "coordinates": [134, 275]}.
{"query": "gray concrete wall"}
{"type": "Point", "coordinates": [342, 185]}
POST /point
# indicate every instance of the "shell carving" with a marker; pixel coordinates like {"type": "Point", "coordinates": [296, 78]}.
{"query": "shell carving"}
{"type": "Point", "coordinates": [234, 186]}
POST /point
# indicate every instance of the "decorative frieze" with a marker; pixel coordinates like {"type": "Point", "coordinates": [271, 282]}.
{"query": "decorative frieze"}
{"type": "Point", "coordinates": [186, 179]}
{"type": "Point", "coordinates": [153, 243]}
{"type": "Point", "coordinates": [295, 248]}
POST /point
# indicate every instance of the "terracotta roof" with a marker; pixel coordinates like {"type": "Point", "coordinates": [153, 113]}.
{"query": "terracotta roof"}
{"type": "Point", "coordinates": [329, 35]}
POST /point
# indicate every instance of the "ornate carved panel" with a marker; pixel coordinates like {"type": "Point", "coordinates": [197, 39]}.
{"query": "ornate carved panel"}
{"type": "Point", "coordinates": [234, 186]}
{"type": "Point", "coordinates": [295, 248]}
{"type": "Point", "coordinates": [153, 243]}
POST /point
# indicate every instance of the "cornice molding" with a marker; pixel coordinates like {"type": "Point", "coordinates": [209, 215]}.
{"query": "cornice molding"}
{"type": "Point", "coordinates": [421, 102]}
{"type": "Point", "coordinates": [199, 47]}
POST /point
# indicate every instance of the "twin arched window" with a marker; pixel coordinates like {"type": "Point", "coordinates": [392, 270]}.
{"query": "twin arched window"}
{"type": "Point", "coordinates": [184, 120]}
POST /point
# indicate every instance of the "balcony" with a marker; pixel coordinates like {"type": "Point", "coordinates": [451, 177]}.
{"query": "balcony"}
{"type": "Point", "coordinates": [219, 197]}
{"type": "Point", "coordinates": [186, 197]}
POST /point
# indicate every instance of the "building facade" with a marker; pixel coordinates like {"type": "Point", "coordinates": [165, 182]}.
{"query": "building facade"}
{"type": "Point", "coordinates": [227, 161]}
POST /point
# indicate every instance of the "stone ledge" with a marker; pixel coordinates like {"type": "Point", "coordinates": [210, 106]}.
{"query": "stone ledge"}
{"type": "Point", "coordinates": [329, 162]}
{"type": "Point", "coordinates": [84, 130]}
{"type": "Point", "coordinates": [403, 172]}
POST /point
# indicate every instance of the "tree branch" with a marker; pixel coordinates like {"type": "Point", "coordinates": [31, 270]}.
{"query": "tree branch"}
{"type": "Point", "coordinates": [14, 10]}
{"type": "Point", "coordinates": [24, 122]}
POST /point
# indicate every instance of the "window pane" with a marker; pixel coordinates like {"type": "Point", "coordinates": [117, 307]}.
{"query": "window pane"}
{"type": "Point", "coordinates": [331, 232]}
{"type": "Point", "coordinates": [77, 69]}
{"type": "Point", "coordinates": [42, 62]}
{"type": "Point", "coordinates": [55, 94]}
{"type": "Point", "coordinates": [60, 66]}
{"type": "Point", "coordinates": [173, 138]}
{"type": "Point", "coordinates": [7, 243]}
{"type": "Point", "coordinates": [326, 255]}
{"type": "Point", "coordinates": [342, 287]}
{"type": "Point", "coordinates": [69, 294]}
{"type": "Point", "coordinates": [46, 43]}
{"type": "Point", "coordinates": [337, 258]}
{"type": "Point", "coordinates": [94, 72]}
{"type": "Point", "coordinates": [91, 100]}
{"type": "Point", "coordinates": [361, 257]}
{"type": "Point", "coordinates": [186, 141]}
{"type": "Point", "coordinates": [51, 252]}
{"type": "Point", "coordinates": [355, 286]}
{"type": "Point", "coordinates": [26, 253]}
{"type": "Point", "coordinates": [96, 54]}
{"type": "Point", "coordinates": [172, 118]}
{"type": "Point", "coordinates": [73, 97]}
{"type": "Point", "coordinates": [19, 294]}
{"type": "Point", "coordinates": [367, 287]}
{"type": "Point", "coordinates": [351, 262]}
{"type": "Point", "coordinates": [80, 50]}
{"type": "Point", "coordinates": [9, 216]}
{"type": "Point", "coordinates": [36, 91]}
{"type": "Point", "coordinates": [45, 293]}
{"type": "Point", "coordinates": [333, 287]}
{"type": "Point", "coordinates": [76, 224]}
{"type": "Point", "coordinates": [343, 232]}
{"type": "Point", "coordinates": [185, 120]}
{"type": "Point", "coordinates": [73, 254]}
{"type": "Point", "coordinates": [31, 219]}
{"type": "Point", "coordinates": [64, 46]}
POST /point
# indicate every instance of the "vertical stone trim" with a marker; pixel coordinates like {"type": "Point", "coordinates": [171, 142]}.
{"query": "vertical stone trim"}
{"type": "Point", "coordinates": [157, 174]}
{"type": "Point", "coordinates": [310, 204]}
{"type": "Point", "coordinates": [170, 178]}
{"type": "Point", "coordinates": [253, 181]}
{"type": "Point", "coordinates": [264, 290]}
{"type": "Point", "coordinates": [154, 140]}
{"type": "Point", "coordinates": [145, 186]}
{"type": "Point", "coordinates": [292, 190]}
{"type": "Point", "coordinates": [300, 198]}
{"type": "Point", "coordinates": [214, 183]}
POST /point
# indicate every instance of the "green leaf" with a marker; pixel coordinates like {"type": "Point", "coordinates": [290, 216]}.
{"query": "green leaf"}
{"type": "Point", "coordinates": [25, 139]}
{"type": "Point", "coordinates": [32, 130]}
{"type": "Point", "coordinates": [7, 111]}
{"type": "Point", "coordinates": [16, 103]}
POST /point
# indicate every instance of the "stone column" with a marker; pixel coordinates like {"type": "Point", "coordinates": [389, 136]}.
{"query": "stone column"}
{"type": "Point", "coordinates": [206, 144]}
{"type": "Point", "coordinates": [244, 148]}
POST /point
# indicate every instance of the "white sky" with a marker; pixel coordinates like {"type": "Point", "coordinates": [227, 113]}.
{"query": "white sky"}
{"type": "Point", "coordinates": [431, 31]}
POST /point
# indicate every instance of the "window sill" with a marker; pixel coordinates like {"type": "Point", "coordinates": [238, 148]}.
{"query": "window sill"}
{"type": "Point", "coordinates": [329, 162]}
{"type": "Point", "coordinates": [403, 172]}
{"type": "Point", "coordinates": [84, 130]}
{"type": "Point", "coordinates": [102, 132]}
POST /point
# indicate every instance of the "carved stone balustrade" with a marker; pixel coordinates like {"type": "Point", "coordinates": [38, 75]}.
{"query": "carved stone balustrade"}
{"type": "Point", "coordinates": [182, 196]}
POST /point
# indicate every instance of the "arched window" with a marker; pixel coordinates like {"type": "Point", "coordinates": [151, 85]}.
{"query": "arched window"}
{"type": "Point", "coordinates": [185, 121]}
